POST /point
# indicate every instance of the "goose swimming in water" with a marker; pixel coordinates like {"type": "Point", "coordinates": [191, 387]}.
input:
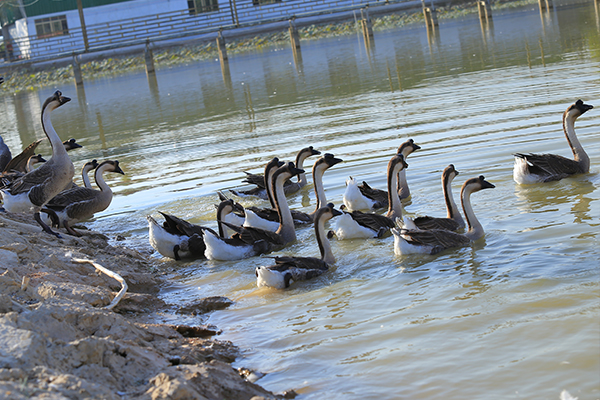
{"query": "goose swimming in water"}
{"type": "Point", "coordinates": [289, 187]}
{"type": "Point", "coordinates": [409, 241]}
{"type": "Point", "coordinates": [265, 218]}
{"type": "Point", "coordinates": [79, 203]}
{"type": "Point", "coordinates": [453, 220]}
{"type": "Point", "coordinates": [288, 269]}
{"type": "Point", "coordinates": [33, 190]}
{"type": "Point", "coordinates": [368, 197]}
{"type": "Point", "coordinates": [359, 225]}
{"type": "Point", "coordinates": [536, 168]}
{"type": "Point", "coordinates": [255, 241]}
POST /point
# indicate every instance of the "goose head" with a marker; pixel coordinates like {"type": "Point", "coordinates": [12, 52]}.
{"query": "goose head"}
{"type": "Point", "coordinates": [578, 108]}
{"type": "Point", "coordinates": [36, 159]}
{"type": "Point", "coordinates": [476, 184]}
{"type": "Point", "coordinates": [329, 160]}
{"type": "Point", "coordinates": [90, 165]}
{"type": "Point", "coordinates": [228, 206]}
{"type": "Point", "coordinates": [55, 101]}
{"type": "Point", "coordinates": [408, 147]}
{"type": "Point", "coordinates": [287, 170]}
{"type": "Point", "coordinates": [71, 144]}
{"type": "Point", "coordinates": [305, 153]}
{"type": "Point", "coordinates": [327, 212]}
{"type": "Point", "coordinates": [449, 173]}
{"type": "Point", "coordinates": [110, 166]}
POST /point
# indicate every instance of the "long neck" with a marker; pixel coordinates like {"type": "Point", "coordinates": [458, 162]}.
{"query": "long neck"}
{"type": "Point", "coordinates": [451, 207]}
{"type": "Point", "coordinates": [99, 178]}
{"type": "Point", "coordinates": [578, 153]}
{"type": "Point", "coordinates": [300, 164]}
{"type": "Point", "coordinates": [324, 244]}
{"type": "Point", "coordinates": [221, 212]}
{"type": "Point", "coordinates": [395, 205]}
{"type": "Point", "coordinates": [286, 225]}
{"type": "Point", "coordinates": [475, 229]}
{"type": "Point", "coordinates": [403, 189]}
{"type": "Point", "coordinates": [269, 185]}
{"type": "Point", "coordinates": [30, 163]}
{"type": "Point", "coordinates": [319, 190]}
{"type": "Point", "coordinates": [86, 178]}
{"type": "Point", "coordinates": [58, 149]}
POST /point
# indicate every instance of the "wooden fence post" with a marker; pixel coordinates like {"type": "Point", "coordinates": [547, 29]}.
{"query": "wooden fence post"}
{"type": "Point", "coordinates": [221, 47]}
{"type": "Point", "coordinates": [485, 10]}
{"type": "Point", "coordinates": [367, 26]}
{"type": "Point", "coordinates": [149, 58]}
{"type": "Point", "coordinates": [77, 71]}
{"type": "Point", "coordinates": [294, 35]}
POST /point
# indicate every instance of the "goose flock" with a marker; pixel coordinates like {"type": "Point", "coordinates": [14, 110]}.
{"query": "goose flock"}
{"type": "Point", "coordinates": [48, 190]}
{"type": "Point", "coordinates": [31, 184]}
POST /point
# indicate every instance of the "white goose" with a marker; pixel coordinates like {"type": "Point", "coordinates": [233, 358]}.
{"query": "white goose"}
{"type": "Point", "coordinates": [265, 218]}
{"type": "Point", "coordinates": [536, 168]}
{"type": "Point", "coordinates": [409, 241]}
{"type": "Point", "coordinates": [253, 241]}
{"type": "Point", "coordinates": [33, 190]}
{"type": "Point", "coordinates": [180, 239]}
{"type": "Point", "coordinates": [359, 225]}
{"type": "Point", "coordinates": [288, 269]}
{"type": "Point", "coordinates": [79, 203]}
{"type": "Point", "coordinates": [453, 220]}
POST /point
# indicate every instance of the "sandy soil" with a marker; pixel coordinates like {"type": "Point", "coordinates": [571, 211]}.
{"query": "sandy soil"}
{"type": "Point", "coordinates": [59, 341]}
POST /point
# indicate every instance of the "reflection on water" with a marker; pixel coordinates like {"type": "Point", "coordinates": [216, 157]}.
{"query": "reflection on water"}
{"type": "Point", "coordinates": [507, 312]}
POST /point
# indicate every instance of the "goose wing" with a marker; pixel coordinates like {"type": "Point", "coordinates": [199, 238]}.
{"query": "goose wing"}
{"type": "Point", "coordinates": [283, 263]}
{"type": "Point", "coordinates": [70, 197]}
{"type": "Point", "coordinates": [34, 183]}
{"type": "Point", "coordinates": [553, 166]}
{"type": "Point", "coordinates": [181, 226]}
{"type": "Point", "coordinates": [251, 235]}
{"type": "Point", "coordinates": [19, 162]}
{"type": "Point", "coordinates": [375, 222]}
{"type": "Point", "coordinates": [380, 197]}
{"type": "Point", "coordinates": [438, 239]}
{"type": "Point", "coordinates": [428, 223]}
{"type": "Point", "coordinates": [255, 179]}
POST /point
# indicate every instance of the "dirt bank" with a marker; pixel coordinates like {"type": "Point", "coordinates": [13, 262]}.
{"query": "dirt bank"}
{"type": "Point", "coordinates": [58, 341]}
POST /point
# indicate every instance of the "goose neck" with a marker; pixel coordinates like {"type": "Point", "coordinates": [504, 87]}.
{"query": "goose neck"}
{"type": "Point", "coordinates": [318, 172]}
{"type": "Point", "coordinates": [323, 242]}
{"type": "Point", "coordinates": [99, 178]}
{"type": "Point", "coordinates": [57, 146]}
{"type": "Point", "coordinates": [579, 153]}
{"type": "Point", "coordinates": [394, 203]}
{"type": "Point", "coordinates": [286, 225]}
{"type": "Point", "coordinates": [451, 207]}
{"type": "Point", "coordinates": [475, 230]}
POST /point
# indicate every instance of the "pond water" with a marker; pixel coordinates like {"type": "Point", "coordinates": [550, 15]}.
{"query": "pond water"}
{"type": "Point", "coordinates": [513, 316]}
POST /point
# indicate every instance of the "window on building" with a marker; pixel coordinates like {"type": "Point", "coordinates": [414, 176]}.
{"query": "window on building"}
{"type": "Point", "coordinates": [202, 6]}
{"type": "Point", "coordinates": [260, 2]}
{"type": "Point", "coordinates": [52, 26]}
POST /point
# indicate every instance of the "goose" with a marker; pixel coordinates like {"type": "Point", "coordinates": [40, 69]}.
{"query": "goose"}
{"type": "Point", "coordinates": [265, 218]}
{"type": "Point", "coordinates": [254, 241]}
{"type": "Point", "coordinates": [405, 149]}
{"type": "Point", "coordinates": [410, 241]}
{"type": "Point", "coordinates": [33, 190]}
{"type": "Point", "coordinates": [5, 154]}
{"type": "Point", "coordinates": [79, 203]}
{"type": "Point", "coordinates": [19, 162]}
{"type": "Point", "coordinates": [85, 170]}
{"type": "Point", "coordinates": [454, 220]}
{"type": "Point", "coordinates": [359, 225]}
{"type": "Point", "coordinates": [369, 198]}
{"type": "Point", "coordinates": [288, 269]}
{"type": "Point", "coordinates": [536, 168]}
{"type": "Point", "coordinates": [7, 177]}
{"type": "Point", "coordinates": [289, 187]}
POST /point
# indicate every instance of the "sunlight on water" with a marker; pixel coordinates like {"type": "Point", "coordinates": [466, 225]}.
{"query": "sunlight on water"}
{"type": "Point", "coordinates": [513, 316]}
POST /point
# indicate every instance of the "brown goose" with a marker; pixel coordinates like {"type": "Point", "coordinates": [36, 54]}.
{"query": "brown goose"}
{"type": "Point", "coordinates": [289, 187]}
{"type": "Point", "coordinates": [19, 162]}
{"type": "Point", "coordinates": [360, 225]}
{"type": "Point", "coordinates": [454, 220]}
{"type": "Point", "coordinates": [255, 215]}
{"type": "Point", "coordinates": [288, 269]}
{"type": "Point", "coordinates": [409, 241]}
{"type": "Point", "coordinates": [536, 168]}
{"type": "Point", "coordinates": [7, 177]}
{"type": "Point", "coordinates": [377, 198]}
{"type": "Point", "coordinates": [79, 203]}
{"type": "Point", "coordinates": [219, 249]}
{"type": "Point", "coordinates": [33, 190]}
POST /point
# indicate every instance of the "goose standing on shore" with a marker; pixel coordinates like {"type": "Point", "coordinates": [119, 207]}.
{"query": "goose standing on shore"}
{"type": "Point", "coordinates": [536, 168]}
{"type": "Point", "coordinates": [360, 225]}
{"type": "Point", "coordinates": [288, 269]}
{"type": "Point", "coordinates": [410, 241]}
{"type": "Point", "coordinates": [79, 203]}
{"type": "Point", "coordinates": [33, 190]}
{"type": "Point", "coordinates": [453, 220]}
{"type": "Point", "coordinates": [255, 241]}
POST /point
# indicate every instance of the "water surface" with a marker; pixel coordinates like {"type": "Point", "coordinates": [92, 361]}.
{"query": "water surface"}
{"type": "Point", "coordinates": [513, 316]}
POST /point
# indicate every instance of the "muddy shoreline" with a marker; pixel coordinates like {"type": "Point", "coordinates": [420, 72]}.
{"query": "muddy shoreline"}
{"type": "Point", "coordinates": [58, 341]}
